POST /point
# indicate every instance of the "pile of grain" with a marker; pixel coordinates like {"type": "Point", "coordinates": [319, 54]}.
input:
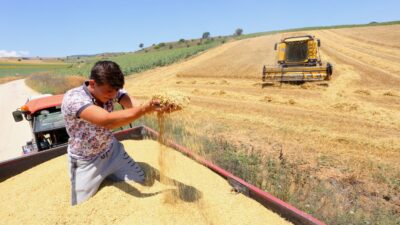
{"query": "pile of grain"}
{"type": "Point", "coordinates": [173, 100]}
{"type": "Point", "coordinates": [41, 195]}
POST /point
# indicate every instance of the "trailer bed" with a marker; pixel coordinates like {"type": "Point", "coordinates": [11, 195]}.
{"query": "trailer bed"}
{"type": "Point", "coordinates": [190, 194]}
{"type": "Point", "coordinates": [32, 190]}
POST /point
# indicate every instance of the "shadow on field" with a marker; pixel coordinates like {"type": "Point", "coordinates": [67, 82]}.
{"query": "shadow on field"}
{"type": "Point", "coordinates": [180, 191]}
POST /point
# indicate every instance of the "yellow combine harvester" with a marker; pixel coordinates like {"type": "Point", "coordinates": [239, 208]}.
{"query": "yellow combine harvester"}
{"type": "Point", "coordinates": [298, 61]}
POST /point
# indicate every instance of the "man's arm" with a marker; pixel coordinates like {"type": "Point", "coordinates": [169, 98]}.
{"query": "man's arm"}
{"type": "Point", "coordinates": [101, 117]}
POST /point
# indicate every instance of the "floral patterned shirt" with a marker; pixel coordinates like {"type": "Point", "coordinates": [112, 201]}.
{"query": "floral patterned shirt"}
{"type": "Point", "coordinates": [86, 140]}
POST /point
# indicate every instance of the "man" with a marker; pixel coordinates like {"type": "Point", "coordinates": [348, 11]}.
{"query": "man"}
{"type": "Point", "coordinates": [93, 152]}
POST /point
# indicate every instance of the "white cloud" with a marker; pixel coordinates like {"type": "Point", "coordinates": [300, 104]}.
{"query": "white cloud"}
{"type": "Point", "coordinates": [24, 53]}
{"type": "Point", "coordinates": [12, 53]}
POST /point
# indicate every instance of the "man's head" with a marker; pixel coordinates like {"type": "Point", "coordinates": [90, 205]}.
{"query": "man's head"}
{"type": "Point", "coordinates": [107, 72]}
{"type": "Point", "coordinates": [106, 78]}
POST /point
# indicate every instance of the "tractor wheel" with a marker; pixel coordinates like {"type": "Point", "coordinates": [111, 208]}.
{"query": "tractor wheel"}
{"type": "Point", "coordinates": [329, 71]}
{"type": "Point", "coordinates": [264, 72]}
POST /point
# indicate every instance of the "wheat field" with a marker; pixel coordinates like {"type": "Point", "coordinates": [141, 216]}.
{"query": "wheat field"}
{"type": "Point", "coordinates": [343, 136]}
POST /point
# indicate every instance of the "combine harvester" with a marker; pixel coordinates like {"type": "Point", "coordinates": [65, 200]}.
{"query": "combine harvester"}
{"type": "Point", "coordinates": [298, 60]}
{"type": "Point", "coordinates": [13, 167]}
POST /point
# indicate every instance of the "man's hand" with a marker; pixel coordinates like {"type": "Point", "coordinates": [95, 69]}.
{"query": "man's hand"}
{"type": "Point", "coordinates": [155, 105]}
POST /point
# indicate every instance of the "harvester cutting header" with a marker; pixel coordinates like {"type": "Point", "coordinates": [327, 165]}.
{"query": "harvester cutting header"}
{"type": "Point", "coordinates": [298, 61]}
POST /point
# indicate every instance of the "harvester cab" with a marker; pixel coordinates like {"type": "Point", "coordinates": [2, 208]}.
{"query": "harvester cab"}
{"type": "Point", "coordinates": [46, 121]}
{"type": "Point", "coordinates": [298, 60]}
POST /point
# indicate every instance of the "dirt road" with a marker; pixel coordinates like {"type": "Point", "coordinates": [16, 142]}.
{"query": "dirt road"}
{"type": "Point", "coordinates": [13, 135]}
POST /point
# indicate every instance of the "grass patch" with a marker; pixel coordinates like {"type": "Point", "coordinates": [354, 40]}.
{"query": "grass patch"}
{"type": "Point", "coordinates": [53, 84]}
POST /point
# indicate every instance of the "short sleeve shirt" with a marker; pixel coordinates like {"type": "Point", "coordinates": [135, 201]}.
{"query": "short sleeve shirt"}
{"type": "Point", "coordinates": [86, 140]}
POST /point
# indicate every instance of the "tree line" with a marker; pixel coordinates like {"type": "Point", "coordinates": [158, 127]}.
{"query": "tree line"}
{"type": "Point", "coordinates": [206, 35]}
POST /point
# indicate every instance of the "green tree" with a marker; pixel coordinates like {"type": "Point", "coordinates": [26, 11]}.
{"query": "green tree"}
{"type": "Point", "coordinates": [205, 35]}
{"type": "Point", "coordinates": [238, 32]}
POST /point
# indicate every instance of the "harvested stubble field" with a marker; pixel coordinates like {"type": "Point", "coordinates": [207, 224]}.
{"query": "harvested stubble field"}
{"type": "Point", "coordinates": [41, 195]}
{"type": "Point", "coordinates": [340, 143]}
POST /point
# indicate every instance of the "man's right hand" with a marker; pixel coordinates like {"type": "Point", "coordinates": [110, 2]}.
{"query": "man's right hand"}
{"type": "Point", "coordinates": [154, 105]}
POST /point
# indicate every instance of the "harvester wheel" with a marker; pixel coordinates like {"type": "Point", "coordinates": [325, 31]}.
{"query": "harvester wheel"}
{"type": "Point", "coordinates": [264, 72]}
{"type": "Point", "coordinates": [329, 70]}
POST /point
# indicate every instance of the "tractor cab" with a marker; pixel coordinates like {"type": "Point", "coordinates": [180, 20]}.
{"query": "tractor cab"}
{"type": "Point", "coordinates": [46, 121]}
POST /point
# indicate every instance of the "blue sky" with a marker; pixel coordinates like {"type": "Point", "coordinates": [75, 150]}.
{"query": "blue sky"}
{"type": "Point", "coordinates": [56, 28]}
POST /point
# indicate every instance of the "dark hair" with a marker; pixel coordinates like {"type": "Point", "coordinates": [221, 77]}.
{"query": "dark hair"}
{"type": "Point", "coordinates": [107, 72]}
